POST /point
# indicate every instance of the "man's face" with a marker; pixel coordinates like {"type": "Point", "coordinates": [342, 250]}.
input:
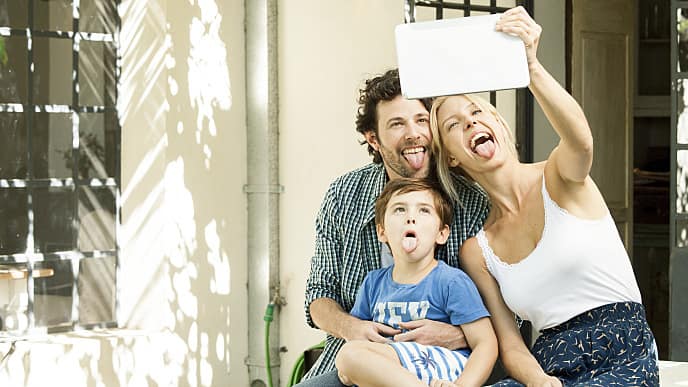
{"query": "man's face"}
{"type": "Point", "coordinates": [403, 137]}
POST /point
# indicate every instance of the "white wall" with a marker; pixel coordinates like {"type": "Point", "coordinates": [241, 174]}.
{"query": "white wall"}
{"type": "Point", "coordinates": [326, 49]}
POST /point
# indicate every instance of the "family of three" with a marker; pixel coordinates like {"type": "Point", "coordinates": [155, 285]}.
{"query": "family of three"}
{"type": "Point", "coordinates": [446, 191]}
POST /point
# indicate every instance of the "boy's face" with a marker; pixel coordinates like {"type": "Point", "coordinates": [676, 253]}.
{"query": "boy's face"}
{"type": "Point", "coordinates": [412, 226]}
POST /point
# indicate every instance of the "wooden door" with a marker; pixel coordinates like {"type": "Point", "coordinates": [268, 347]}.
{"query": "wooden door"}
{"type": "Point", "coordinates": [602, 41]}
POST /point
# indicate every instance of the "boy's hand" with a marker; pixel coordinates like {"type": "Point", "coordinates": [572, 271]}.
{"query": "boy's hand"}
{"type": "Point", "coordinates": [428, 332]}
{"type": "Point", "coordinates": [370, 331]}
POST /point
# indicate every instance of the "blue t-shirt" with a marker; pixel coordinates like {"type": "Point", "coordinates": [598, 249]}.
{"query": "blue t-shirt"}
{"type": "Point", "coordinates": [446, 294]}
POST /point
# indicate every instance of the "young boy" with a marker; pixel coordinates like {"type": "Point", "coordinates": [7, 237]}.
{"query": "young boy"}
{"type": "Point", "coordinates": [413, 216]}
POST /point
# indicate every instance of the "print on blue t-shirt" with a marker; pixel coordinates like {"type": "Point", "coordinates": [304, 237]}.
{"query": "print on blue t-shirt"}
{"type": "Point", "coordinates": [446, 294]}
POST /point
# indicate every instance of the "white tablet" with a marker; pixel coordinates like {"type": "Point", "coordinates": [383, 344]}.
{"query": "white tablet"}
{"type": "Point", "coordinates": [458, 56]}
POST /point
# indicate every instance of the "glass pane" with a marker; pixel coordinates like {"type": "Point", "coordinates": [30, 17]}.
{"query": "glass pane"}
{"type": "Point", "coordinates": [98, 145]}
{"type": "Point", "coordinates": [506, 106]}
{"type": "Point", "coordinates": [681, 233]}
{"type": "Point", "coordinates": [682, 34]}
{"type": "Point", "coordinates": [13, 14]}
{"type": "Point", "coordinates": [653, 22]}
{"type": "Point", "coordinates": [652, 136]}
{"type": "Point", "coordinates": [424, 13]}
{"type": "Point", "coordinates": [13, 298]}
{"type": "Point", "coordinates": [682, 111]}
{"type": "Point", "coordinates": [453, 13]}
{"type": "Point", "coordinates": [97, 16]}
{"type": "Point", "coordinates": [654, 63]}
{"type": "Point", "coordinates": [13, 147]}
{"type": "Point", "coordinates": [96, 73]}
{"type": "Point", "coordinates": [682, 182]}
{"type": "Point", "coordinates": [506, 3]}
{"type": "Point", "coordinates": [53, 217]}
{"type": "Point", "coordinates": [15, 220]}
{"type": "Point", "coordinates": [53, 15]}
{"type": "Point", "coordinates": [51, 145]}
{"type": "Point", "coordinates": [96, 286]}
{"type": "Point", "coordinates": [52, 291]}
{"type": "Point", "coordinates": [53, 71]}
{"type": "Point", "coordinates": [13, 70]}
{"type": "Point", "coordinates": [97, 218]}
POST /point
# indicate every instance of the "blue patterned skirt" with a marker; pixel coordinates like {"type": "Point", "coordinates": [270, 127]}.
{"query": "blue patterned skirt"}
{"type": "Point", "coordinates": [611, 345]}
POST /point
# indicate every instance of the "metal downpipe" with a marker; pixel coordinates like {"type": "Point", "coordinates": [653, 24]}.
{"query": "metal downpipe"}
{"type": "Point", "coordinates": [262, 188]}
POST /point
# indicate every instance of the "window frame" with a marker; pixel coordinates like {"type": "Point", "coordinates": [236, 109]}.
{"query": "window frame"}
{"type": "Point", "coordinates": [28, 263]}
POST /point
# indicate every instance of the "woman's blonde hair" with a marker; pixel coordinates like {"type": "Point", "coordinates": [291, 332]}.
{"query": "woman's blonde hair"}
{"type": "Point", "coordinates": [440, 152]}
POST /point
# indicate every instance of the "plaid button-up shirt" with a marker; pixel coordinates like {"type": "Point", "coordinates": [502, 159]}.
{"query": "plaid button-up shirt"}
{"type": "Point", "coordinates": [347, 248]}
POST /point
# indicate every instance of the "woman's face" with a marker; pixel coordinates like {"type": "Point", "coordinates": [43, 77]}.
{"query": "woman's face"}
{"type": "Point", "coordinates": [471, 136]}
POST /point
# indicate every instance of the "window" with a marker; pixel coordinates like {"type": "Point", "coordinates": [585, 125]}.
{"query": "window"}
{"type": "Point", "coordinates": [515, 105]}
{"type": "Point", "coordinates": [59, 164]}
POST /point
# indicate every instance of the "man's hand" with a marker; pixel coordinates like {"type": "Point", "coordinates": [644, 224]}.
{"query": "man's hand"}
{"type": "Point", "coordinates": [369, 331]}
{"type": "Point", "coordinates": [546, 381]}
{"type": "Point", "coordinates": [428, 332]}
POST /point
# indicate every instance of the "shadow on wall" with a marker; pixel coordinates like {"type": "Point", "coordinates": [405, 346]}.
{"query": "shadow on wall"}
{"type": "Point", "coordinates": [174, 273]}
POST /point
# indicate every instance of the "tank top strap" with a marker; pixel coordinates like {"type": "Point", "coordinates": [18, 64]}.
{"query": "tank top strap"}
{"type": "Point", "coordinates": [548, 202]}
{"type": "Point", "coordinates": [490, 258]}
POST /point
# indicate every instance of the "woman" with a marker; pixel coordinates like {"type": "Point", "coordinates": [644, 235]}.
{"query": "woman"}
{"type": "Point", "coordinates": [549, 250]}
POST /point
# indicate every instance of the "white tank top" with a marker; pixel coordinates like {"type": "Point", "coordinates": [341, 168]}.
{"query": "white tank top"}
{"type": "Point", "coordinates": [577, 265]}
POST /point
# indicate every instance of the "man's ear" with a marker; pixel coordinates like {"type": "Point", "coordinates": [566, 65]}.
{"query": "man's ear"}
{"type": "Point", "coordinates": [443, 235]}
{"type": "Point", "coordinates": [381, 233]}
{"type": "Point", "coordinates": [371, 138]}
{"type": "Point", "coordinates": [453, 162]}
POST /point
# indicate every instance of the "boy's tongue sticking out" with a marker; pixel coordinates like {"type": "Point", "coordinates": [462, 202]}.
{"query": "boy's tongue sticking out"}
{"type": "Point", "coordinates": [409, 242]}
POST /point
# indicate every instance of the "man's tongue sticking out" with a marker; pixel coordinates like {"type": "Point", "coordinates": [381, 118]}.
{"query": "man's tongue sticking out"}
{"type": "Point", "coordinates": [415, 159]}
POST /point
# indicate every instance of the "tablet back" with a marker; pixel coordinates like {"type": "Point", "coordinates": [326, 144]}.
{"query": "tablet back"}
{"type": "Point", "coordinates": [458, 56]}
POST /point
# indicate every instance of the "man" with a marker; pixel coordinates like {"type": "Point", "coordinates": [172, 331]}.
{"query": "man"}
{"type": "Point", "coordinates": [397, 132]}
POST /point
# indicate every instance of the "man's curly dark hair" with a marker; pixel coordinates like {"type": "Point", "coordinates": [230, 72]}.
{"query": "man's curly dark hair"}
{"type": "Point", "coordinates": [384, 87]}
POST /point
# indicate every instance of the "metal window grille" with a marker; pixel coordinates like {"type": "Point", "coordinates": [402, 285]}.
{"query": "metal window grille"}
{"type": "Point", "coordinates": [59, 164]}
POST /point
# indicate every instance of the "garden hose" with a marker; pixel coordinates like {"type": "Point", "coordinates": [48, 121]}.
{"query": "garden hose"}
{"type": "Point", "coordinates": [298, 370]}
{"type": "Point", "coordinates": [268, 319]}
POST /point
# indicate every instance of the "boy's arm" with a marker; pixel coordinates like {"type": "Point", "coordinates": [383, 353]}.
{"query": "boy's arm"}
{"type": "Point", "coordinates": [483, 342]}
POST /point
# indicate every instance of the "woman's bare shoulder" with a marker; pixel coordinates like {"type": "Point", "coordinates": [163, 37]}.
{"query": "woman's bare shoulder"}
{"type": "Point", "coordinates": [471, 253]}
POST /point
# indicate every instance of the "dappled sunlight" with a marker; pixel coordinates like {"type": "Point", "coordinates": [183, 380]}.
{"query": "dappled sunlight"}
{"type": "Point", "coordinates": [173, 271]}
{"type": "Point", "coordinates": [220, 284]}
{"type": "Point", "coordinates": [208, 73]}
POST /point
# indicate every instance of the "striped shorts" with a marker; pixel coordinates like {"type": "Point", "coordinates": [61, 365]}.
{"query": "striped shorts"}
{"type": "Point", "coordinates": [611, 345]}
{"type": "Point", "coordinates": [431, 362]}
